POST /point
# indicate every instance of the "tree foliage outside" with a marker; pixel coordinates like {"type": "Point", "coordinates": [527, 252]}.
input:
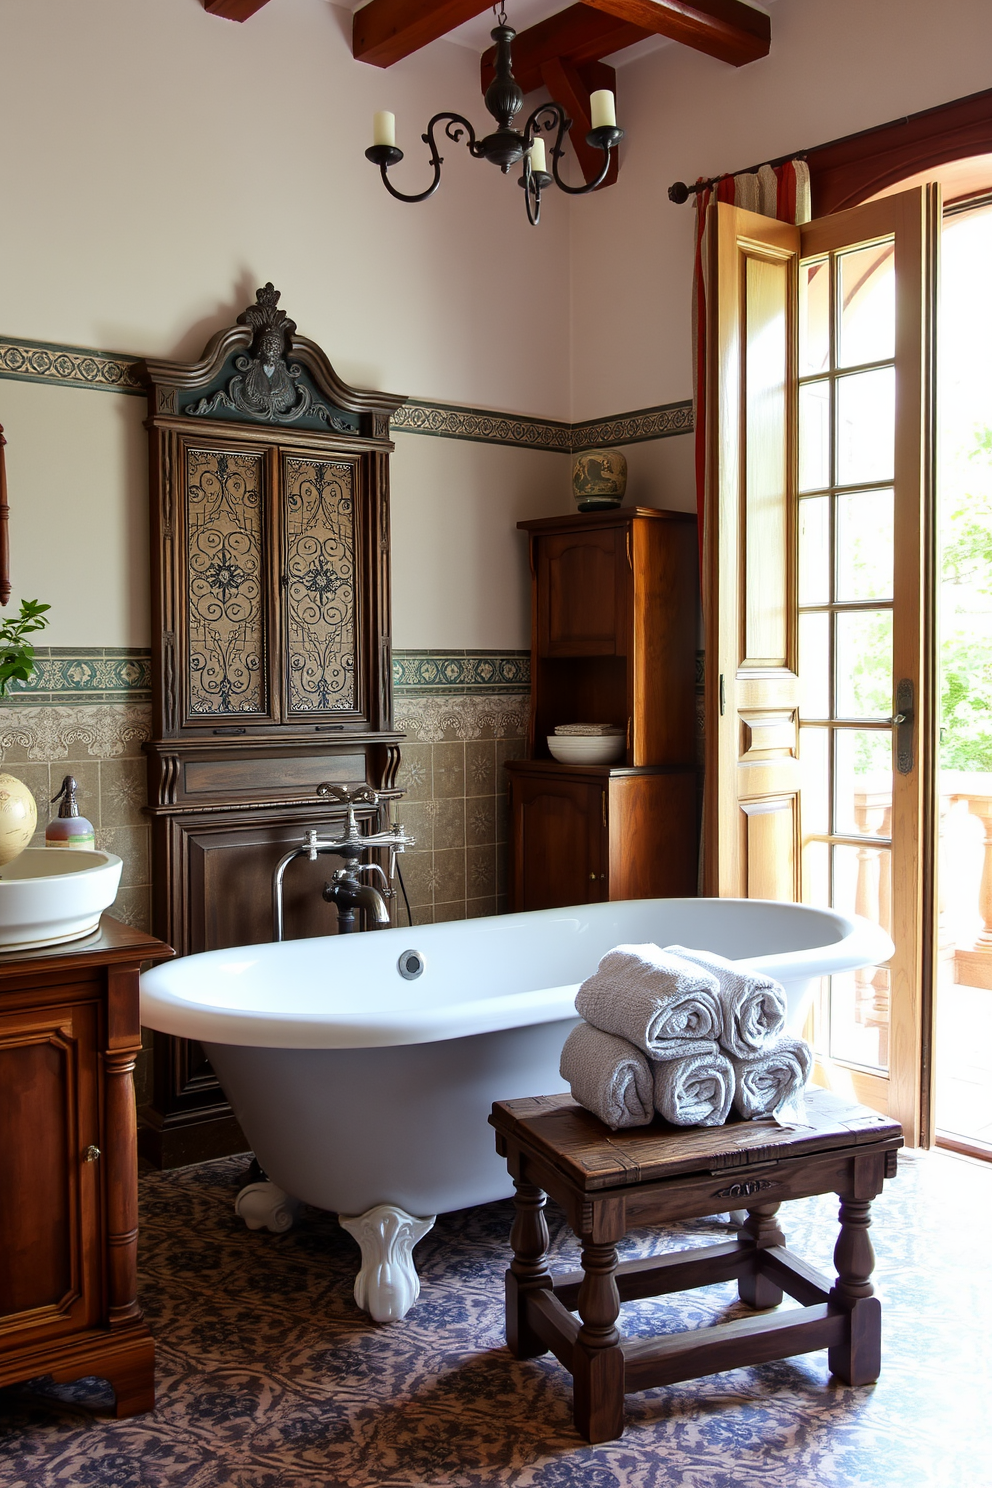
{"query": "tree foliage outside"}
{"type": "Point", "coordinates": [966, 613]}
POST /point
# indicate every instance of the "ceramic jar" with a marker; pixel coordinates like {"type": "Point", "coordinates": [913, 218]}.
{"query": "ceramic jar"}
{"type": "Point", "coordinates": [599, 479]}
{"type": "Point", "coordinates": [18, 817]}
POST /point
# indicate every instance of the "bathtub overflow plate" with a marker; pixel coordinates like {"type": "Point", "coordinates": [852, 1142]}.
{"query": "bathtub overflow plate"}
{"type": "Point", "coordinates": [410, 965]}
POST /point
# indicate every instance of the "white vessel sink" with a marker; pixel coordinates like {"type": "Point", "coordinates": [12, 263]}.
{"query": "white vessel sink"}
{"type": "Point", "coordinates": [52, 894]}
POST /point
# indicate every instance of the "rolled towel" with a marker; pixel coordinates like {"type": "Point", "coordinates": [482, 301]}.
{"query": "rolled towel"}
{"type": "Point", "coordinates": [664, 1005]}
{"type": "Point", "coordinates": [696, 1090]}
{"type": "Point", "coordinates": [772, 1083]}
{"type": "Point", "coordinates": [753, 1005]}
{"type": "Point", "coordinates": [608, 1076]}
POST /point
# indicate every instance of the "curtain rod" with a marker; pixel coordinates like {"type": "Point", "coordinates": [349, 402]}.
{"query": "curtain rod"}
{"type": "Point", "coordinates": [679, 192]}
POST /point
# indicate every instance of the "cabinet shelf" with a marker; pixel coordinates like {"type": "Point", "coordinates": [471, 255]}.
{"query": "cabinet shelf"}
{"type": "Point", "coordinates": [614, 628]}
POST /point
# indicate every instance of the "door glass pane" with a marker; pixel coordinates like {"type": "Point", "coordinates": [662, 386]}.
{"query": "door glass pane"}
{"type": "Point", "coordinates": [859, 1000]}
{"type": "Point", "coordinates": [867, 294]}
{"type": "Point", "coordinates": [814, 436]}
{"type": "Point", "coordinates": [864, 664]}
{"type": "Point", "coordinates": [814, 550]}
{"type": "Point", "coordinates": [863, 782]}
{"type": "Point", "coordinates": [814, 666]}
{"type": "Point", "coordinates": [816, 874]}
{"type": "Point", "coordinates": [865, 426]}
{"type": "Point", "coordinates": [814, 316]}
{"type": "Point", "coordinates": [864, 545]}
{"type": "Point", "coordinates": [814, 744]}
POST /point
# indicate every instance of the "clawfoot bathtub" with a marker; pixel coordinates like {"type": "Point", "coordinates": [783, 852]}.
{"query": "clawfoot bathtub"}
{"type": "Point", "coordinates": [363, 1068]}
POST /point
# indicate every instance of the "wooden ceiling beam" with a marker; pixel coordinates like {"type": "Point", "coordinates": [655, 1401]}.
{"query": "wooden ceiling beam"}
{"type": "Point", "coordinates": [579, 34]}
{"type": "Point", "coordinates": [571, 89]}
{"type": "Point", "coordinates": [234, 10]}
{"type": "Point", "coordinates": [727, 29]}
{"type": "Point", "coordinates": [386, 31]}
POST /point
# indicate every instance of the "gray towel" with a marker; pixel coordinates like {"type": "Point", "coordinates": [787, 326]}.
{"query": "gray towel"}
{"type": "Point", "coordinates": [664, 1005]}
{"type": "Point", "coordinates": [772, 1083]}
{"type": "Point", "coordinates": [696, 1090]}
{"type": "Point", "coordinates": [608, 1076]}
{"type": "Point", "coordinates": [753, 1004]}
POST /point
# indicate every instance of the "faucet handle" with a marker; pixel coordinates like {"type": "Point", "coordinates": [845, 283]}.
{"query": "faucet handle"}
{"type": "Point", "coordinates": [361, 795]}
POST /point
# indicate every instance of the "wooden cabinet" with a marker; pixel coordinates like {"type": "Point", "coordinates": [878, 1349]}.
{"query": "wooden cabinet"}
{"type": "Point", "coordinates": [271, 655]}
{"type": "Point", "coordinates": [615, 622]}
{"type": "Point", "coordinates": [68, 1164]}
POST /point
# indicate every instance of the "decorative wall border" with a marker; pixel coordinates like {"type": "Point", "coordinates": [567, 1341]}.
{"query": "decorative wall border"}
{"type": "Point", "coordinates": [452, 673]}
{"type": "Point", "coordinates": [114, 372]}
{"type": "Point", "coordinates": [79, 675]}
{"type": "Point", "coordinates": [70, 366]}
{"type": "Point", "coordinates": [74, 676]}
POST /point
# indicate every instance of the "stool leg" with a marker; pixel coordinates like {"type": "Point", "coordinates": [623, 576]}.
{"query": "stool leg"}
{"type": "Point", "coordinates": [597, 1359]}
{"type": "Point", "coordinates": [528, 1269]}
{"type": "Point", "coordinates": [762, 1229]}
{"type": "Point", "coordinates": [858, 1360]}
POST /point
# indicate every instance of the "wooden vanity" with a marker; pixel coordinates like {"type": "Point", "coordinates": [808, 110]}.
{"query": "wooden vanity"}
{"type": "Point", "coordinates": [69, 1035]}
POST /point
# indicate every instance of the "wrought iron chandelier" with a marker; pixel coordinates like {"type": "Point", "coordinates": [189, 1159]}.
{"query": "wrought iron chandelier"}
{"type": "Point", "coordinates": [506, 145]}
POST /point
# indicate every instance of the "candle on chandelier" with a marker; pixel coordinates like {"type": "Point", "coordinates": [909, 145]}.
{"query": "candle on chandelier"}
{"type": "Point", "coordinates": [384, 128]}
{"type": "Point", "coordinates": [602, 109]}
{"type": "Point", "coordinates": [538, 158]}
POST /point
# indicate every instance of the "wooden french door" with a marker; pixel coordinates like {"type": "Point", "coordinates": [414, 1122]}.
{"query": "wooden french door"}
{"type": "Point", "coordinates": [817, 605]}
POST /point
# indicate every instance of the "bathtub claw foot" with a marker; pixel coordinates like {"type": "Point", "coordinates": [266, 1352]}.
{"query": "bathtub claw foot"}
{"type": "Point", "coordinates": [264, 1206]}
{"type": "Point", "coordinates": [387, 1285]}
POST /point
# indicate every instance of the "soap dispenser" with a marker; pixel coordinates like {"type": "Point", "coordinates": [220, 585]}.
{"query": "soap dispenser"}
{"type": "Point", "coordinates": [69, 829]}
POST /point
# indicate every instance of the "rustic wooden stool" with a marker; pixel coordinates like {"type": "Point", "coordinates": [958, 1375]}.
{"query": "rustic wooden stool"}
{"type": "Point", "coordinates": [609, 1182]}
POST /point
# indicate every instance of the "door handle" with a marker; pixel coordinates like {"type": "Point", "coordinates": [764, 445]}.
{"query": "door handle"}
{"type": "Point", "coordinates": [903, 720]}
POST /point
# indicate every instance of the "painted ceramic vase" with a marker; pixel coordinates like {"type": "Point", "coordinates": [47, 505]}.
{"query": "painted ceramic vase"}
{"type": "Point", "coordinates": [18, 817]}
{"type": "Point", "coordinates": [599, 479]}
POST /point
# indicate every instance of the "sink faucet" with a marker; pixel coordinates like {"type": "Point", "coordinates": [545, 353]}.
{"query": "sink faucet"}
{"type": "Point", "coordinates": [345, 890]}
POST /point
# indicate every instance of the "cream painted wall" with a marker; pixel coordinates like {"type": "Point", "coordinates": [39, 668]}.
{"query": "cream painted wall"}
{"type": "Point", "coordinates": [456, 548]}
{"type": "Point", "coordinates": [836, 66]}
{"type": "Point", "coordinates": [77, 469]}
{"type": "Point", "coordinates": [158, 164]}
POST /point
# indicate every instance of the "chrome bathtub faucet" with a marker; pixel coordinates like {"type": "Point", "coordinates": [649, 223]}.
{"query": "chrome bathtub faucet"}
{"type": "Point", "coordinates": [346, 889]}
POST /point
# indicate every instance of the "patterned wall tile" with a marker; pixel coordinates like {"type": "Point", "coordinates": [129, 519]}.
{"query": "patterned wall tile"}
{"type": "Point", "coordinates": [85, 675]}
{"type": "Point", "coordinates": [460, 672]}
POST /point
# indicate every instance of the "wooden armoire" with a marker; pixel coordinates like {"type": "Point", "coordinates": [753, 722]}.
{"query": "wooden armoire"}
{"type": "Point", "coordinates": [614, 626]}
{"type": "Point", "coordinates": [271, 655]}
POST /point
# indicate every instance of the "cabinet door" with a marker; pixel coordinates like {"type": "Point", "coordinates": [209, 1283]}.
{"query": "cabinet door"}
{"type": "Point", "coordinates": [49, 1217]}
{"type": "Point", "coordinates": [558, 843]}
{"type": "Point", "coordinates": [583, 583]}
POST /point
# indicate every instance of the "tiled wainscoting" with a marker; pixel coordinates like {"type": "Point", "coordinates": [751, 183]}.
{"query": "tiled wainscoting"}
{"type": "Point", "coordinates": [86, 714]}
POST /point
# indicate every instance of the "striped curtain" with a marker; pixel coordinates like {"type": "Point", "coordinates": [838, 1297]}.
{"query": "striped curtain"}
{"type": "Point", "coordinates": [780, 191]}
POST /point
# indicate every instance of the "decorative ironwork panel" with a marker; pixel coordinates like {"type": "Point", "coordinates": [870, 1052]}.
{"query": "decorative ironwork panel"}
{"type": "Point", "coordinates": [320, 580]}
{"type": "Point", "coordinates": [227, 671]}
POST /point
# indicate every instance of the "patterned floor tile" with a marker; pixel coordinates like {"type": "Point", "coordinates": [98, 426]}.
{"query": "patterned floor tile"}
{"type": "Point", "coordinates": [270, 1377]}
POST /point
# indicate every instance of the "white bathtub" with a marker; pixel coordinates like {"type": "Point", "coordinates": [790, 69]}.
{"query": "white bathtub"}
{"type": "Point", "coordinates": [367, 1094]}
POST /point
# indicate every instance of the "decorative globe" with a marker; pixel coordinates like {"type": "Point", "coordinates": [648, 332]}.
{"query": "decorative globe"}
{"type": "Point", "coordinates": [18, 817]}
{"type": "Point", "coordinates": [599, 479]}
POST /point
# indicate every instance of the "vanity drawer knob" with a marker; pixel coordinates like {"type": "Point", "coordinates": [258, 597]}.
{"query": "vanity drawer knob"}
{"type": "Point", "coordinates": [91, 1154]}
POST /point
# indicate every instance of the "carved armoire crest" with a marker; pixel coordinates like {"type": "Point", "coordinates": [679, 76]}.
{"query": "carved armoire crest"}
{"type": "Point", "coordinates": [271, 653]}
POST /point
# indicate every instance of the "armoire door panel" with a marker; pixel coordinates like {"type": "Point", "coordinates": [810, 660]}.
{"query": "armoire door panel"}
{"type": "Point", "coordinates": [48, 1115]}
{"type": "Point", "coordinates": [319, 582]}
{"type": "Point", "coordinates": [226, 582]}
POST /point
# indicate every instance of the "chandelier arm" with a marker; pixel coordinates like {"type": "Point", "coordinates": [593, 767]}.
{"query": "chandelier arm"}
{"type": "Point", "coordinates": [552, 114]}
{"type": "Point", "coordinates": [455, 127]}
{"type": "Point", "coordinates": [531, 186]}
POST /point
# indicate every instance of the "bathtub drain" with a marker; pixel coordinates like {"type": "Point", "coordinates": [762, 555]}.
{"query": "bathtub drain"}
{"type": "Point", "coordinates": [410, 965]}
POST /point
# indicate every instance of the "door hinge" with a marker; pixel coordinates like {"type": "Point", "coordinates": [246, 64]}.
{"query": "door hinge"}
{"type": "Point", "coordinates": [630, 556]}
{"type": "Point", "coordinates": [723, 697]}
